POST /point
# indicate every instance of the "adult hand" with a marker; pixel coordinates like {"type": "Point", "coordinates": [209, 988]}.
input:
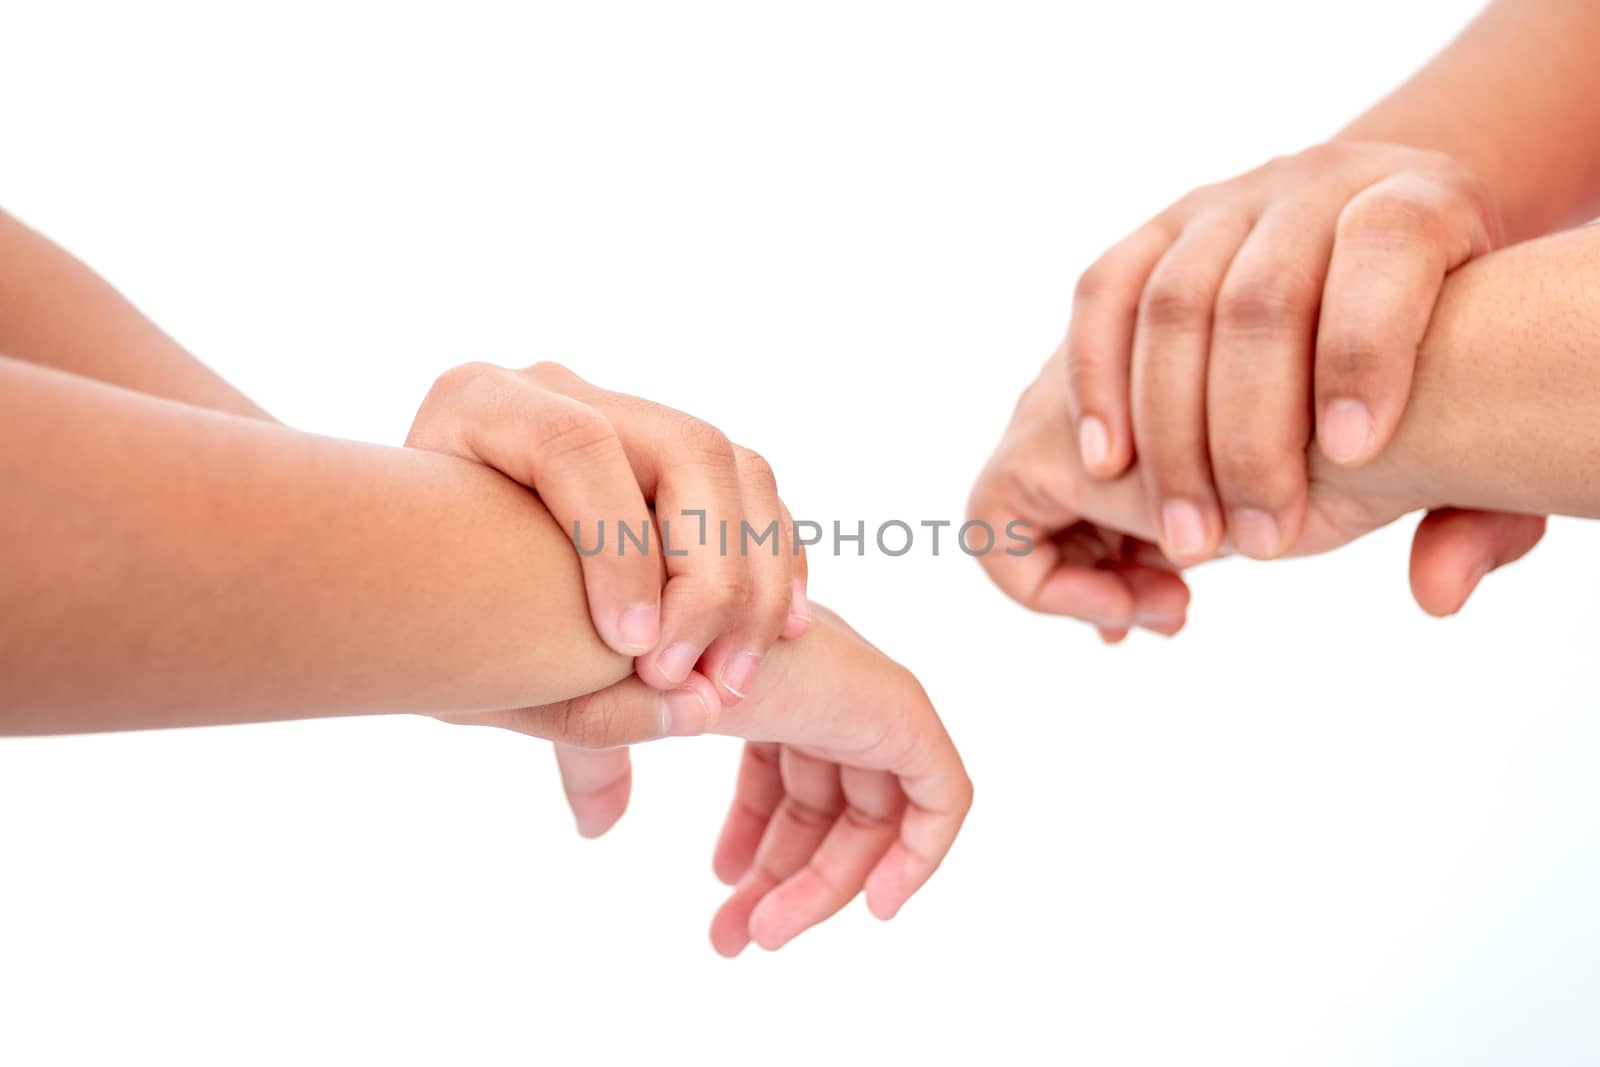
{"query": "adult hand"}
{"type": "Point", "coordinates": [601, 461]}
{"type": "Point", "coordinates": [1199, 342]}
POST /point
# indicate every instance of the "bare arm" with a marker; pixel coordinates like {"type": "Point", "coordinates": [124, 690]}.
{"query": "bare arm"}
{"type": "Point", "coordinates": [1516, 97]}
{"type": "Point", "coordinates": [165, 565]}
{"type": "Point", "coordinates": [1505, 412]}
{"type": "Point", "coordinates": [56, 311]}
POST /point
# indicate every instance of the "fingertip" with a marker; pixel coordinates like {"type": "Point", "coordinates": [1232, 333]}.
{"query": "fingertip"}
{"type": "Point", "coordinates": [638, 628]}
{"type": "Point", "coordinates": [728, 937]}
{"type": "Point", "coordinates": [1094, 447]}
{"type": "Point", "coordinates": [1189, 533]}
{"type": "Point", "coordinates": [1163, 626]}
{"type": "Point", "coordinates": [1161, 598]}
{"type": "Point", "coordinates": [595, 814]}
{"type": "Point", "coordinates": [728, 948]}
{"type": "Point", "coordinates": [883, 902]}
{"type": "Point", "coordinates": [769, 936]}
{"type": "Point", "coordinates": [730, 928]}
{"type": "Point", "coordinates": [690, 709]}
{"type": "Point", "coordinates": [727, 870]}
{"type": "Point", "coordinates": [1439, 595]}
{"type": "Point", "coordinates": [1085, 593]}
{"type": "Point", "coordinates": [738, 676]}
{"type": "Point", "coordinates": [799, 620]}
{"type": "Point", "coordinates": [673, 666]}
{"type": "Point", "coordinates": [591, 827]}
{"type": "Point", "coordinates": [1453, 550]}
{"type": "Point", "coordinates": [1346, 432]}
{"type": "Point", "coordinates": [1255, 533]}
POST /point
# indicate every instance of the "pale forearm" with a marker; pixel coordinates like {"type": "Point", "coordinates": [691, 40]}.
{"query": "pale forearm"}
{"type": "Point", "coordinates": [166, 565]}
{"type": "Point", "coordinates": [56, 311]}
{"type": "Point", "coordinates": [1517, 98]}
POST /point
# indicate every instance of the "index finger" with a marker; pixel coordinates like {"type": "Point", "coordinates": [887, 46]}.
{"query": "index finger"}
{"type": "Point", "coordinates": [1050, 574]}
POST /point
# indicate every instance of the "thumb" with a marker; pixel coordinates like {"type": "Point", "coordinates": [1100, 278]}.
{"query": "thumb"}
{"type": "Point", "coordinates": [1454, 548]}
{"type": "Point", "coordinates": [622, 714]}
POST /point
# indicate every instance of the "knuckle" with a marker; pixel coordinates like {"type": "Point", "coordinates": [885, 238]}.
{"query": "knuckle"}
{"type": "Point", "coordinates": [465, 376]}
{"type": "Point", "coordinates": [1038, 489]}
{"type": "Point", "coordinates": [1397, 212]}
{"type": "Point", "coordinates": [1175, 302]}
{"type": "Point", "coordinates": [1319, 158]}
{"type": "Point", "coordinates": [1250, 470]}
{"type": "Point", "coordinates": [730, 592]}
{"type": "Point", "coordinates": [1274, 300]}
{"type": "Point", "coordinates": [1093, 283]}
{"type": "Point", "coordinates": [1349, 350]}
{"type": "Point", "coordinates": [549, 372]}
{"type": "Point", "coordinates": [1199, 199]}
{"type": "Point", "coordinates": [1174, 472]}
{"type": "Point", "coordinates": [809, 814]}
{"type": "Point", "coordinates": [572, 431]}
{"type": "Point", "coordinates": [1171, 446]}
{"type": "Point", "coordinates": [1088, 374]}
{"type": "Point", "coordinates": [704, 442]}
{"type": "Point", "coordinates": [757, 471]}
{"type": "Point", "coordinates": [1025, 400]}
{"type": "Point", "coordinates": [591, 722]}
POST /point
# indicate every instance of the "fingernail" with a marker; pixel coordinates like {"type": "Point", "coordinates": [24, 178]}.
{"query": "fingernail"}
{"type": "Point", "coordinates": [1182, 528]}
{"type": "Point", "coordinates": [677, 661]}
{"type": "Point", "coordinates": [686, 713]}
{"type": "Point", "coordinates": [799, 606]}
{"type": "Point", "coordinates": [740, 673]}
{"type": "Point", "coordinates": [1345, 432]}
{"type": "Point", "coordinates": [1255, 533]}
{"type": "Point", "coordinates": [639, 627]}
{"type": "Point", "coordinates": [1094, 445]}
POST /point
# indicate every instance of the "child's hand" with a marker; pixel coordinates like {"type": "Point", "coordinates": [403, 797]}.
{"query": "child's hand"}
{"type": "Point", "coordinates": [849, 781]}
{"type": "Point", "coordinates": [1199, 341]}
{"type": "Point", "coordinates": [599, 457]}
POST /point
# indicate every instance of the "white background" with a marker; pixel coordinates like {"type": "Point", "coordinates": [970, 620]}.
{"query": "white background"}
{"type": "Point", "coordinates": [1316, 828]}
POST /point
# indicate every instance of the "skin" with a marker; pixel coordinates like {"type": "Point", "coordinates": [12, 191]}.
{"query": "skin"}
{"type": "Point", "coordinates": [852, 785]}
{"type": "Point", "coordinates": [722, 612]}
{"type": "Point", "coordinates": [593, 454]}
{"type": "Point", "coordinates": [693, 618]}
{"type": "Point", "coordinates": [176, 558]}
{"type": "Point", "coordinates": [1501, 418]}
{"type": "Point", "coordinates": [1286, 304]}
{"type": "Point", "coordinates": [169, 565]}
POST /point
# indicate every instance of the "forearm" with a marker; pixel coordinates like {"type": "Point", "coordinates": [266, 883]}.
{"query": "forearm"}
{"type": "Point", "coordinates": [1505, 409]}
{"type": "Point", "coordinates": [57, 312]}
{"type": "Point", "coordinates": [1517, 98]}
{"type": "Point", "coordinates": [165, 565]}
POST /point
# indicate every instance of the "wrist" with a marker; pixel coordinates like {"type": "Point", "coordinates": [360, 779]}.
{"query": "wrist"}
{"type": "Point", "coordinates": [1502, 399]}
